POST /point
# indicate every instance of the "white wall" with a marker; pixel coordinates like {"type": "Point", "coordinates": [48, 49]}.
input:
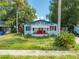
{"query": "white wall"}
{"type": "Point", "coordinates": [26, 32]}
{"type": "Point", "coordinates": [40, 26]}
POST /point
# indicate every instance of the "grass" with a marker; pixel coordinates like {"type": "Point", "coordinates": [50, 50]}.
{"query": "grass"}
{"type": "Point", "coordinates": [41, 57]}
{"type": "Point", "coordinates": [76, 47]}
{"type": "Point", "coordinates": [27, 42]}
{"type": "Point", "coordinates": [17, 41]}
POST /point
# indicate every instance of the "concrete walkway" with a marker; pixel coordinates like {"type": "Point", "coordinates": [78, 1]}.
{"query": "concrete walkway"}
{"type": "Point", "coordinates": [37, 52]}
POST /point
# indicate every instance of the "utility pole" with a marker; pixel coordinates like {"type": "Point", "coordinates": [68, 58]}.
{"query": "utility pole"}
{"type": "Point", "coordinates": [17, 15]}
{"type": "Point", "coordinates": [59, 16]}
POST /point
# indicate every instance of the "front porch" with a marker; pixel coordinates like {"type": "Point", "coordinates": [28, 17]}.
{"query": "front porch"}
{"type": "Point", "coordinates": [40, 31]}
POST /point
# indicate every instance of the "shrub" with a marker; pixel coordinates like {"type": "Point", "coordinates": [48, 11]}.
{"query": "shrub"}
{"type": "Point", "coordinates": [13, 30]}
{"type": "Point", "coordinates": [65, 40]}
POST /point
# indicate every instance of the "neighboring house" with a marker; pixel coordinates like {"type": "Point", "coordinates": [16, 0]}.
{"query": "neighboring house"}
{"type": "Point", "coordinates": [41, 28]}
{"type": "Point", "coordinates": [76, 29]}
{"type": "Point", "coordinates": [4, 28]}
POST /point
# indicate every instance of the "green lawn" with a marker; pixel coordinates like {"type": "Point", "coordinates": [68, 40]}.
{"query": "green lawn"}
{"type": "Point", "coordinates": [14, 41]}
{"type": "Point", "coordinates": [27, 42]}
{"type": "Point", "coordinates": [41, 57]}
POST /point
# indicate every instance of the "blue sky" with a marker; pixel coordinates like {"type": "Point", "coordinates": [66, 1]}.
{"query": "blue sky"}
{"type": "Point", "coordinates": [41, 7]}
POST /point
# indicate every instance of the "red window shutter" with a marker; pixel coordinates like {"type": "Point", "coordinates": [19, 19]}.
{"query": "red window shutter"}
{"type": "Point", "coordinates": [51, 27]}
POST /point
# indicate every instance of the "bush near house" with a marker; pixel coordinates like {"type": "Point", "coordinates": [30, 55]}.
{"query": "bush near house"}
{"type": "Point", "coordinates": [65, 40]}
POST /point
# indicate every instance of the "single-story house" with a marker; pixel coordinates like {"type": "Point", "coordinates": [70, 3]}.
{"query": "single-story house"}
{"type": "Point", "coordinates": [4, 28]}
{"type": "Point", "coordinates": [41, 28]}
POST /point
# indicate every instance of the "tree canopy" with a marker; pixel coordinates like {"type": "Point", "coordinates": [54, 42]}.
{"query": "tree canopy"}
{"type": "Point", "coordinates": [70, 12]}
{"type": "Point", "coordinates": [10, 7]}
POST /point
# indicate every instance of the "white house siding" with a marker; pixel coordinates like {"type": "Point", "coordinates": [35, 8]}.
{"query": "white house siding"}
{"type": "Point", "coordinates": [26, 32]}
{"type": "Point", "coordinates": [35, 26]}
{"type": "Point", "coordinates": [54, 32]}
{"type": "Point", "coordinates": [40, 35]}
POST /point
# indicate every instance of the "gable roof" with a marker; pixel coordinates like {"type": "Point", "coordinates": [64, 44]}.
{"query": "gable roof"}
{"type": "Point", "coordinates": [41, 20]}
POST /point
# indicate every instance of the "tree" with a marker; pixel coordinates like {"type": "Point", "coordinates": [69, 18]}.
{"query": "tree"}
{"type": "Point", "coordinates": [70, 12]}
{"type": "Point", "coordinates": [3, 11]}
{"type": "Point", "coordinates": [26, 13]}
{"type": "Point", "coordinates": [18, 10]}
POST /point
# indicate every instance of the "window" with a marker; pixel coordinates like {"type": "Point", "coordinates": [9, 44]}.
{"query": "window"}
{"type": "Point", "coordinates": [52, 28]}
{"type": "Point", "coordinates": [33, 29]}
{"type": "Point", "coordinates": [28, 28]}
{"type": "Point", "coordinates": [55, 28]}
{"type": "Point", "coordinates": [1, 29]}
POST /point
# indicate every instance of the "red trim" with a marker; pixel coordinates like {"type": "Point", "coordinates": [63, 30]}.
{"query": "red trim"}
{"type": "Point", "coordinates": [40, 32]}
{"type": "Point", "coordinates": [51, 27]}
